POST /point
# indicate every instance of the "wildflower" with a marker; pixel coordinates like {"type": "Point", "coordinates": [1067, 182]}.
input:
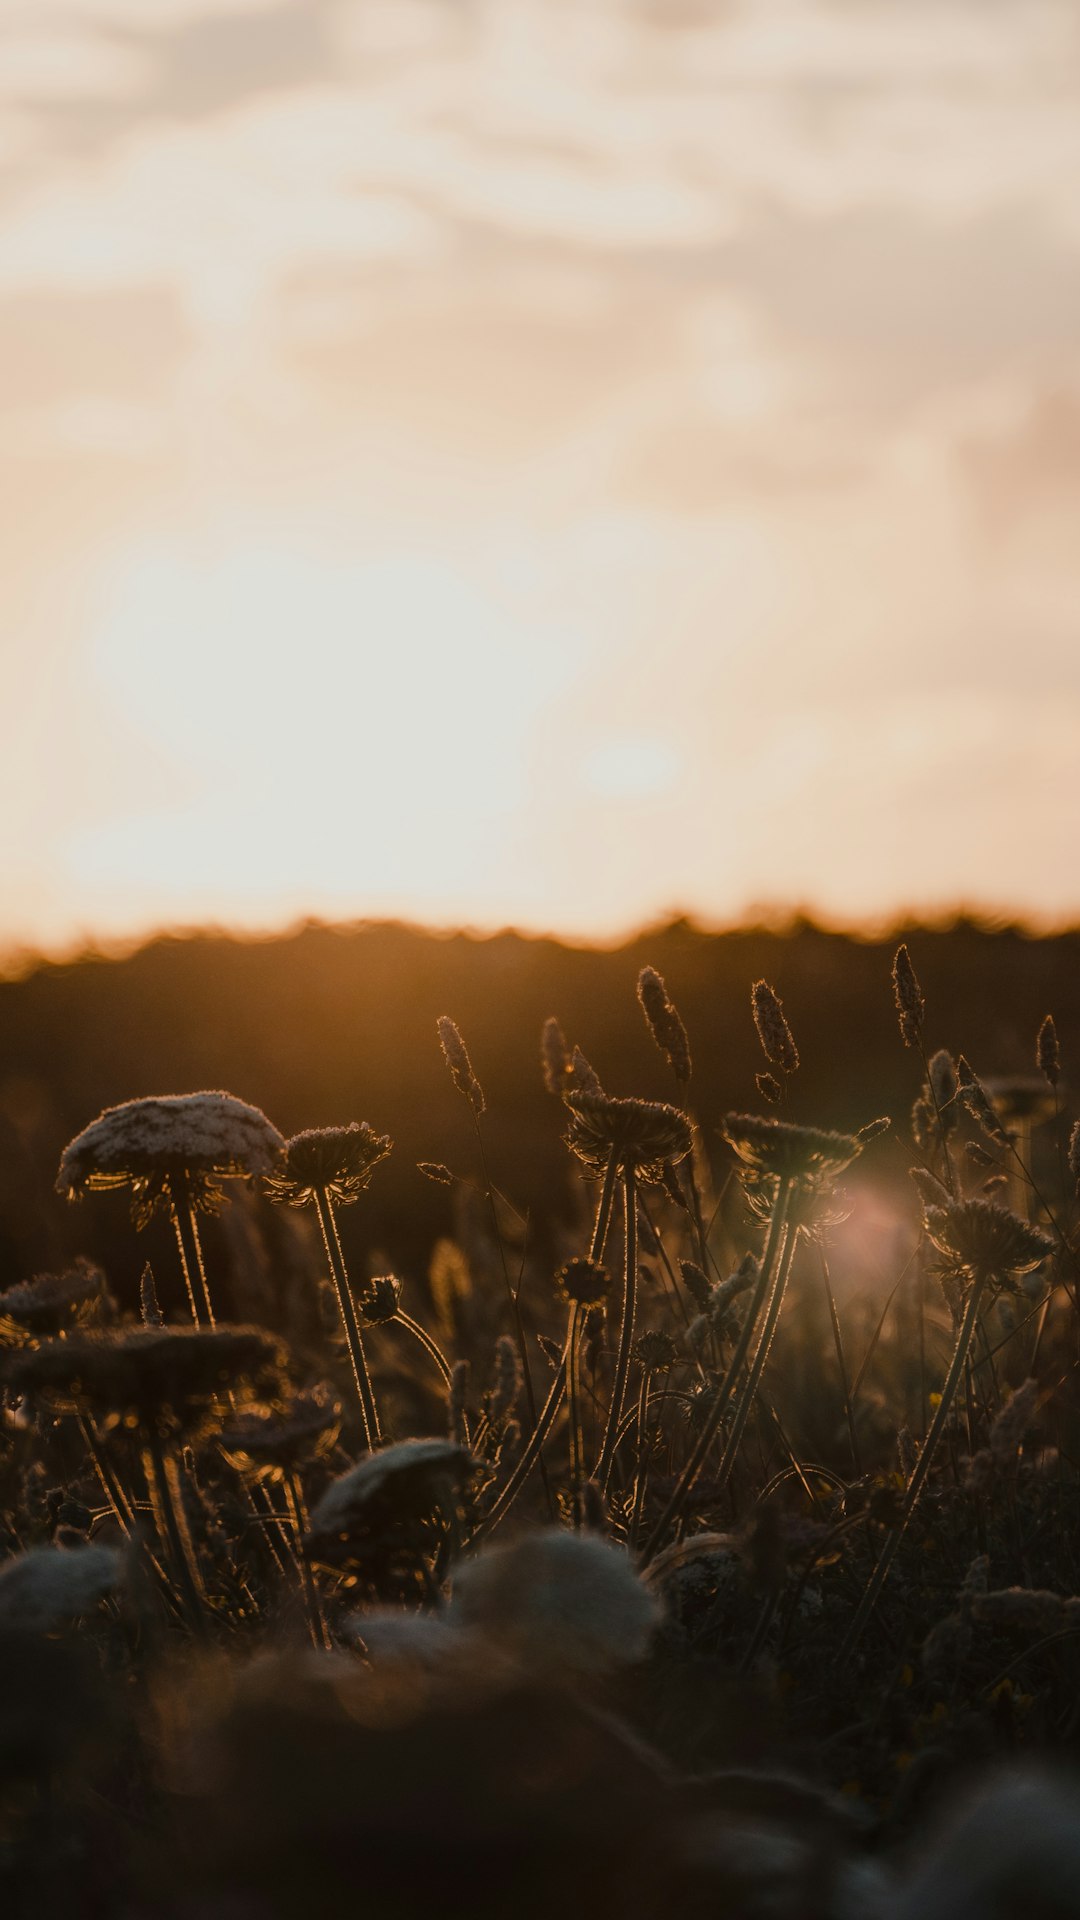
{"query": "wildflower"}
{"type": "Point", "coordinates": [380, 1300]}
{"type": "Point", "coordinates": [979, 1104]}
{"type": "Point", "coordinates": [456, 1055]}
{"type": "Point", "coordinates": [910, 1005]}
{"type": "Point", "coordinates": [697, 1284]}
{"type": "Point", "coordinates": [306, 1429]}
{"type": "Point", "coordinates": [656, 1352]}
{"type": "Point", "coordinates": [558, 1602]}
{"type": "Point", "coordinates": [778, 1149]}
{"type": "Point", "coordinates": [777, 1039]}
{"type": "Point", "coordinates": [50, 1302]}
{"type": "Point", "coordinates": [200, 1138]}
{"type": "Point", "coordinates": [643, 1135]}
{"type": "Point", "coordinates": [405, 1481]}
{"type": "Point", "coordinates": [337, 1162]}
{"type": "Point", "coordinates": [46, 1587]}
{"type": "Point", "coordinates": [167, 1379]}
{"type": "Point", "coordinates": [983, 1238]}
{"type": "Point", "coordinates": [584, 1282]}
{"type": "Point", "coordinates": [555, 1062]}
{"type": "Point", "coordinates": [1048, 1052]}
{"type": "Point", "coordinates": [665, 1024]}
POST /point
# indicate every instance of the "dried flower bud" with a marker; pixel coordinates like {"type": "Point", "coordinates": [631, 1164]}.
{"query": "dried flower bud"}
{"type": "Point", "coordinates": [584, 1282]}
{"type": "Point", "coordinates": [555, 1061]}
{"type": "Point", "coordinates": [769, 1088]}
{"type": "Point", "coordinates": [777, 1040]}
{"type": "Point", "coordinates": [978, 1102]}
{"type": "Point", "coordinates": [1047, 1051]}
{"type": "Point", "coordinates": [874, 1129]}
{"type": "Point", "coordinates": [149, 1308]}
{"type": "Point", "coordinates": [434, 1170]}
{"type": "Point", "coordinates": [456, 1055]}
{"type": "Point", "coordinates": [696, 1283]}
{"type": "Point", "coordinates": [910, 1005]}
{"type": "Point", "coordinates": [664, 1023]}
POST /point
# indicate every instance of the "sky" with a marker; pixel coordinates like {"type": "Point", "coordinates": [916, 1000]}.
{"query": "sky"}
{"type": "Point", "coordinates": [552, 462]}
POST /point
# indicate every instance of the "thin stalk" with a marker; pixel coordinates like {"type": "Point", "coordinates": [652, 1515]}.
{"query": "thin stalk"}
{"type": "Point", "coordinates": [177, 1204]}
{"type": "Point", "coordinates": [838, 1343]}
{"type": "Point", "coordinates": [294, 1500]}
{"type": "Point", "coordinates": [430, 1346]}
{"type": "Point", "coordinates": [688, 1478]}
{"type": "Point", "coordinates": [641, 1470]}
{"type": "Point", "coordinates": [161, 1477]}
{"type": "Point", "coordinates": [114, 1492]}
{"type": "Point", "coordinates": [573, 1407]}
{"type": "Point", "coordinates": [626, 1331]}
{"type": "Point", "coordinates": [922, 1465]}
{"type": "Point", "coordinates": [196, 1241]}
{"type": "Point", "coordinates": [512, 1298]}
{"type": "Point", "coordinates": [550, 1408]}
{"type": "Point", "coordinates": [753, 1378]}
{"type": "Point", "coordinates": [335, 1260]}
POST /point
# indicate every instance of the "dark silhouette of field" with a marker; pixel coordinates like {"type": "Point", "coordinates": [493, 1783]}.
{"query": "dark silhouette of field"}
{"type": "Point", "coordinates": [329, 1024]}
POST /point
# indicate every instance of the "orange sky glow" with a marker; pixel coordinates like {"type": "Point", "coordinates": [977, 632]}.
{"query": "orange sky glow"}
{"type": "Point", "coordinates": [558, 462]}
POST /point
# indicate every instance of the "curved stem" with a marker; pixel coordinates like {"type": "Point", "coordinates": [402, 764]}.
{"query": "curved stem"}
{"type": "Point", "coordinates": [687, 1480]}
{"type": "Point", "coordinates": [750, 1387]}
{"type": "Point", "coordinates": [922, 1466]}
{"type": "Point", "coordinates": [430, 1346]}
{"type": "Point", "coordinates": [335, 1260]}
{"type": "Point", "coordinates": [626, 1331]}
{"type": "Point", "coordinates": [532, 1451]}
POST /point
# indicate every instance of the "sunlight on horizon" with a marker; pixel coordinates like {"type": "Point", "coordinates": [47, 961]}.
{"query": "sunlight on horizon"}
{"type": "Point", "coordinates": [540, 463]}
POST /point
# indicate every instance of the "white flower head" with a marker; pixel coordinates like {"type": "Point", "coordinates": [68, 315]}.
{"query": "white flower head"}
{"type": "Point", "coordinates": [48, 1586]}
{"type": "Point", "coordinates": [202, 1137]}
{"type": "Point", "coordinates": [559, 1602]}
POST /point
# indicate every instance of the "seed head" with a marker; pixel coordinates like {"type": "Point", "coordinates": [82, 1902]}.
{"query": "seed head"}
{"type": "Point", "coordinates": [435, 1171]}
{"type": "Point", "coordinates": [655, 1352]}
{"type": "Point", "coordinates": [456, 1055]}
{"type": "Point", "coordinates": [910, 1005]}
{"type": "Point", "coordinates": [697, 1284]}
{"type": "Point", "coordinates": [203, 1138]}
{"type": "Point", "coordinates": [268, 1444]}
{"type": "Point", "coordinates": [983, 1239]}
{"type": "Point", "coordinates": [149, 1306]}
{"type": "Point", "coordinates": [978, 1103]}
{"type": "Point", "coordinates": [873, 1129]}
{"type": "Point", "coordinates": [164, 1378]}
{"type": "Point", "coordinates": [778, 1149]}
{"type": "Point", "coordinates": [335, 1161]}
{"type": "Point", "coordinates": [664, 1023]}
{"type": "Point", "coordinates": [1047, 1051]}
{"type": "Point", "coordinates": [769, 1088]}
{"type": "Point", "coordinates": [584, 1282]}
{"type": "Point", "coordinates": [555, 1063]}
{"type": "Point", "coordinates": [644, 1135]}
{"type": "Point", "coordinates": [380, 1299]}
{"type": "Point", "coordinates": [777, 1040]}
{"type": "Point", "coordinates": [583, 1076]}
{"type": "Point", "coordinates": [50, 1302]}
{"type": "Point", "coordinates": [402, 1482]}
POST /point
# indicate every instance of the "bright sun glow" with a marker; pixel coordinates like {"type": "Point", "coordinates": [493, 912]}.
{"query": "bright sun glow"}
{"type": "Point", "coordinates": [324, 731]}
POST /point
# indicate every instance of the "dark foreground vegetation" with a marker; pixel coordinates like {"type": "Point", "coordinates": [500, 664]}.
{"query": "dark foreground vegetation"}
{"type": "Point", "coordinates": [666, 1501]}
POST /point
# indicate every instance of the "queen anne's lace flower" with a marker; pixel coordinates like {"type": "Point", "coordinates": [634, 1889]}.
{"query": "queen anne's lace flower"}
{"type": "Point", "coordinates": [45, 1587]}
{"type": "Point", "coordinates": [644, 1135]}
{"type": "Point", "coordinates": [336, 1161]}
{"type": "Point", "coordinates": [558, 1602]}
{"type": "Point", "coordinates": [203, 1138]}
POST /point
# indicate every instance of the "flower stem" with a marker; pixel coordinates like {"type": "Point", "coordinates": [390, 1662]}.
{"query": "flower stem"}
{"type": "Point", "coordinates": [183, 1215]}
{"type": "Point", "coordinates": [753, 1379]}
{"type": "Point", "coordinates": [294, 1500]}
{"type": "Point", "coordinates": [641, 1473]}
{"type": "Point", "coordinates": [163, 1483]}
{"type": "Point", "coordinates": [922, 1465]}
{"type": "Point", "coordinates": [687, 1480]}
{"type": "Point", "coordinates": [573, 1407]}
{"type": "Point", "coordinates": [626, 1330]}
{"type": "Point", "coordinates": [336, 1262]}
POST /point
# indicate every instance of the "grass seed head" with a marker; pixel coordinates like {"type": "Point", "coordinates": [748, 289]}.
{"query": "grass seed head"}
{"type": "Point", "coordinates": [665, 1024]}
{"type": "Point", "coordinates": [777, 1039]}
{"type": "Point", "coordinates": [555, 1061]}
{"type": "Point", "coordinates": [456, 1055]}
{"type": "Point", "coordinates": [1048, 1052]}
{"type": "Point", "coordinates": [910, 1005]}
